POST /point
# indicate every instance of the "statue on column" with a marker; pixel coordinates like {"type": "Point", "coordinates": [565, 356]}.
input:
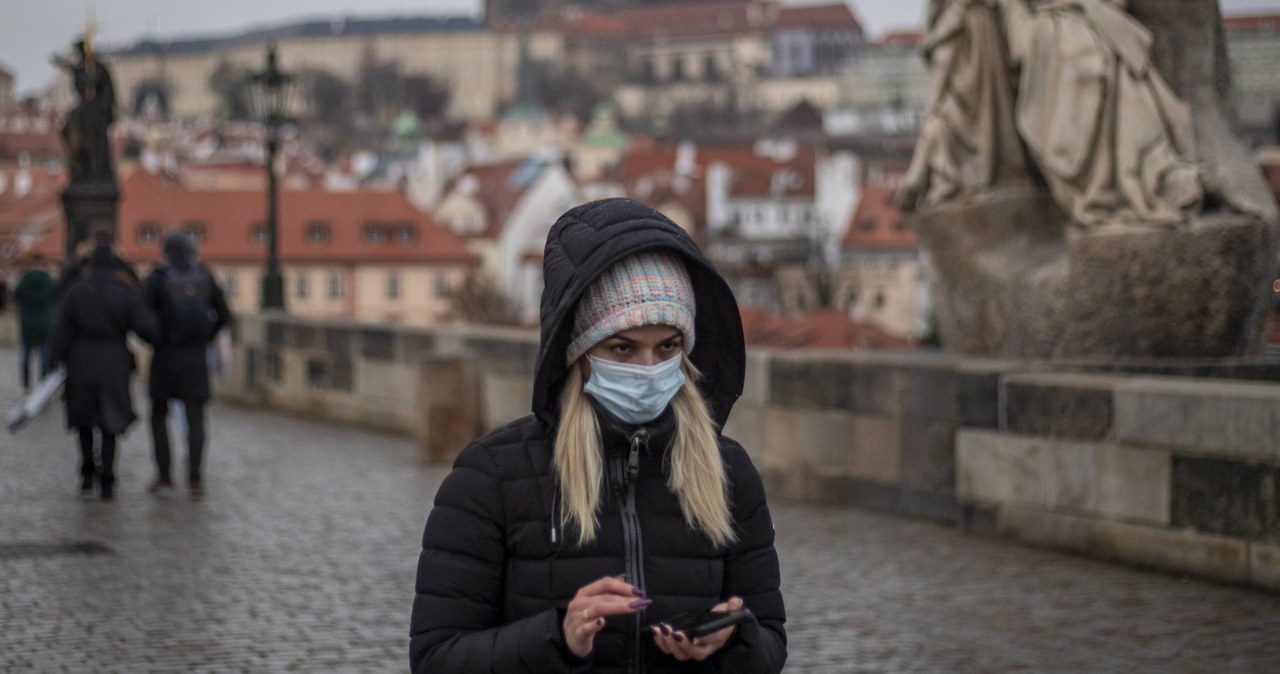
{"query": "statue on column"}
{"type": "Point", "coordinates": [1078, 188]}
{"type": "Point", "coordinates": [85, 131]}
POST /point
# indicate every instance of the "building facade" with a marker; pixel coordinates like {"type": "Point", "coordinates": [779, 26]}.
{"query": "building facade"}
{"type": "Point", "coordinates": [1253, 48]}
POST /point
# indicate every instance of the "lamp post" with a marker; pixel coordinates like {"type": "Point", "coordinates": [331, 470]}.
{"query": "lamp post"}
{"type": "Point", "coordinates": [271, 90]}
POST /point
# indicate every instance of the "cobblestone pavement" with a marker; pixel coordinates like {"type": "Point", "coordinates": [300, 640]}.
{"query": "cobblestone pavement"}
{"type": "Point", "coordinates": [302, 556]}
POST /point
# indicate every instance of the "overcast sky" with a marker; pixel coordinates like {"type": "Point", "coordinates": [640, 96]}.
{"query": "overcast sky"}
{"type": "Point", "coordinates": [31, 30]}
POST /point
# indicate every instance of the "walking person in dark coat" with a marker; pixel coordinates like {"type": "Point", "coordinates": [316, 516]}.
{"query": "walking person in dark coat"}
{"type": "Point", "coordinates": [191, 309]}
{"type": "Point", "coordinates": [34, 297]}
{"type": "Point", "coordinates": [558, 538]}
{"type": "Point", "coordinates": [97, 312]}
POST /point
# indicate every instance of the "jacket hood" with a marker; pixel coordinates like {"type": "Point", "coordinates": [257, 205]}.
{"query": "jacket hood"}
{"type": "Point", "coordinates": [589, 239]}
{"type": "Point", "coordinates": [179, 250]}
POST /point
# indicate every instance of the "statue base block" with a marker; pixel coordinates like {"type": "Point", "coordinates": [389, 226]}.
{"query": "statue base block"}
{"type": "Point", "coordinates": [88, 206]}
{"type": "Point", "coordinates": [1011, 278]}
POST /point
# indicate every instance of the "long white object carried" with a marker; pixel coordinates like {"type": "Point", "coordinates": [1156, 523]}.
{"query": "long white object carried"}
{"type": "Point", "coordinates": [40, 396]}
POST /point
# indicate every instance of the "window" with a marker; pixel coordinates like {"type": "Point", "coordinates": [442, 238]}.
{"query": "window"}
{"type": "Point", "coordinates": [374, 234]}
{"type": "Point", "coordinates": [198, 230]}
{"type": "Point", "coordinates": [647, 74]}
{"type": "Point", "coordinates": [405, 234]}
{"type": "Point", "coordinates": [301, 283]}
{"type": "Point", "coordinates": [677, 69]}
{"type": "Point", "coordinates": [318, 233]}
{"type": "Point", "coordinates": [710, 71]}
{"type": "Point", "coordinates": [258, 235]}
{"type": "Point", "coordinates": [335, 285]}
{"type": "Point", "coordinates": [393, 285]}
{"type": "Point", "coordinates": [442, 285]}
{"type": "Point", "coordinates": [148, 233]}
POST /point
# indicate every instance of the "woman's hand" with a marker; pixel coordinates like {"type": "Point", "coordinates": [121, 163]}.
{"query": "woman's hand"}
{"type": "Point", "coordinates": [587, 610]}
{"type": "Point", "coordinates": [679, 646]}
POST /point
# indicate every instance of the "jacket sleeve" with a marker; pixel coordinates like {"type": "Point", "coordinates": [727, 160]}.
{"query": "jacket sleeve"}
{"type": "Point", "coordinates": [751, 572]}
{"type": "Point", "coordinates": [221, 311]}
{"type": "Point", "coordinates": [456, 624]}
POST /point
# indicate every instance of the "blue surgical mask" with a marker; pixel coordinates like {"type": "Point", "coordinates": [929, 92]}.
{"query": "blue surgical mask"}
{"type": "Point", "coordinates": [636, 394]}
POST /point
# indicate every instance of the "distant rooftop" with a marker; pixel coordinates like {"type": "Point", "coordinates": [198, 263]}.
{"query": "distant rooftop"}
{"type": "Point", "coordinates": [346, 26]}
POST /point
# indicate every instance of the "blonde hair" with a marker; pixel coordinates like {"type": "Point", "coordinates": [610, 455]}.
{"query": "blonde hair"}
{"type": "Point", "coordinates": [696, 472]}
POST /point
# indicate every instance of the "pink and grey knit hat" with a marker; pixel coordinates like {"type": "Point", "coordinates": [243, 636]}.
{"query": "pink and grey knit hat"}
{"type": "Point", "coordinates": [650, 288]}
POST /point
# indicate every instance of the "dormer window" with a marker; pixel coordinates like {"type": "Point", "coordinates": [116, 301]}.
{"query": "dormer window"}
{"type": "Point", "coordinates": [197, 229]}
{"type": "Point", "coordinates": [258, 235]}
{"type": "Point", "coordinates": [319, 233]}
{"type": "Point", "coordinates": [406, 234]}
{"type": "Point", "coordinates": [374, 234]}
{"type": "Point", "coordinates": [148, 233]}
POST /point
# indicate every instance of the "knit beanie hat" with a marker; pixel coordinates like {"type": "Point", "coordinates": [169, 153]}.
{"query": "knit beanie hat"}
{"type": "Point", "coordinates": [650, 288]}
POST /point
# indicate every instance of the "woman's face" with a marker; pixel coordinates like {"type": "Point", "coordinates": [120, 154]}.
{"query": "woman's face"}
{"type": "Point", "coordinates": [645, 345]}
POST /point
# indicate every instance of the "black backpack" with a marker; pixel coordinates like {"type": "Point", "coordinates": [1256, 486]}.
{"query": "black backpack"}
{"type": "Point", "coordinates": [187, 315]}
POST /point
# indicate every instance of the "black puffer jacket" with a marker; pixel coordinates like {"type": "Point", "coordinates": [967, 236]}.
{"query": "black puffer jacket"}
{"type": "Point", "coordinates": [494, 576]}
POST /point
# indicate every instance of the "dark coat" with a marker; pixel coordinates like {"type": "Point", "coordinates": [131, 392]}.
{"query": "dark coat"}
{"type": "Point", "coordinates": [493, 581]}
{"type": "Point", "coordinates": [96, 313]}
{"type": "Point", "coordinates": [180, 370]}
{"type": "Point", "coordinates": [34, 297]}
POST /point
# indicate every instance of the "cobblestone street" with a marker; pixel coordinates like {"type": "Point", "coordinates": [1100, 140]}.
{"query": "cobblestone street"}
{"type": "Point", "coordinates": [301, 558]}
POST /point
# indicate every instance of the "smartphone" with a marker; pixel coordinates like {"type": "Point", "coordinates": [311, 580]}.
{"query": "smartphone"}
{"type": "Point", "coordinates": [701, 623]}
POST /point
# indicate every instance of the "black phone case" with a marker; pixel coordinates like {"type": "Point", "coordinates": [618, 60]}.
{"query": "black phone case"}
{"type": "Point", "coordinates": [708, 623]}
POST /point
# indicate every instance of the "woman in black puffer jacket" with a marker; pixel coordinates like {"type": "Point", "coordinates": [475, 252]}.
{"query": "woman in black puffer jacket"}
{"type": "Point", "coordinates": [558, 538]}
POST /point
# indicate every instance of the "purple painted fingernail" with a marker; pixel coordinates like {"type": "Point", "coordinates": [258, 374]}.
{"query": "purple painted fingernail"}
{"type": "Point", "coordinates": [666, 631]}
{"type": "Point", "coordinates": [640, 603]}
{"type": "Point", "coordinates": [678, 638]}
{"type": "Point", "coordinates": [637, 592]}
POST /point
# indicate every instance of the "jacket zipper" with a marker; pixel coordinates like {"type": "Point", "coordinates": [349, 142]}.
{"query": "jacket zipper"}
{"type": "Point", "coordinates": [626, 473]}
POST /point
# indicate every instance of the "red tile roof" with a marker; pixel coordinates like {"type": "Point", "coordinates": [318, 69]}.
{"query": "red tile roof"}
{"type": "Point", "coordinates": [496, 190]}
{"type": "Point", "coordinates": [701, 19]}
{"type": "Point", "coordinates": [753, 174]}
{"type": "Point", "coordinates": [39, 145]}
{"type": "Point", "coordinates": [828, 329]}
{"type": "Point", "coordinates": [230, 217]}
{"type": "Point", "coordinates": [595, 24]}
{"type": "Point", "coordinates": [1251, 22]}
{"type": "Point", "coordinates": [833, 16]}
{"type": "Point", "coordinates": [901, 38]}
{"type": "Point", "coordinates": [877, 223]}
{"type": "Point", "coordinates": [37, 208]}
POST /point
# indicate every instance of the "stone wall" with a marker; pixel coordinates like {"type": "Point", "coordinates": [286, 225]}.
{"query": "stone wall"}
{"type": "Point", "coordinates": [1172, 472]}
{"type": "Point", "coordinates": [1169, 472]}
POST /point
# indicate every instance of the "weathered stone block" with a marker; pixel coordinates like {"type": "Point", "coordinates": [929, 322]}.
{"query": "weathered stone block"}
{"type": "Point", "coordinates": [928, 458]}
{"type": "Point", "coordinates": [1264, 565]}
{"type": "Point", "coordinates": [892, 498]}
{"type": "Point", "coordinates": [1178, 551]}
{"type": "Point", "coordinates": [1226, 497]}
{"type": "Point", "coordinates": [1201, 417]}
{"type": "Point", "coordinates": [756, 387]}
{"type": "Point", "coordinates": [747, 426]}
{"type": "Point", "coordinates": [808, 383]}
{"type": "Point", "coordinates": [338, 340]}
{"type": "Point", "coordinates": [505, 398]}
{"type": "Point", "coordinates": [931, 393]}
{"type": "Point", "coordinates": [504, 356]}
{"type": "Point", "coordinates": [1059, 405]}
{"type": "Point", "coordinates": [979, 399]}
{"type": "Point", "coordinates": [808, 440]}
{"type": "Point", "coordinates": [418, 345]}
{"type": "Point", "coordinates": [377, 344]}
{"type": "Point", "coordinates": [875, 449]}
{"type": "Point", "coordinates": [876, 389]}
{"type": "Point", "coordinates": [1000, 469]}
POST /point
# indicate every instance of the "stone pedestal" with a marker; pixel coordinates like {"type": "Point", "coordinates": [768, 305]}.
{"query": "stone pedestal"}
{"type": "Point", "coordinates": [1011, 278]}
{"type": "Point", "coordinates": [87, 206]}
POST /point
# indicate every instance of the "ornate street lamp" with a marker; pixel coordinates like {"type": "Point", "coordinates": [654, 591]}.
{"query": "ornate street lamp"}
{"type": "Point", "coordinates": [271, 90]}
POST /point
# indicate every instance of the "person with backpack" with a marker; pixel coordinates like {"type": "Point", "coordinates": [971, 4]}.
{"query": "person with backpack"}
{"type": "Point", "coordinates": [191, 309]}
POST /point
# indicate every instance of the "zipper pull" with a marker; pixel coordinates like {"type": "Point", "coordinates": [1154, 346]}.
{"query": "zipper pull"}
{"type": "Point", "coordinates": [633, 461]}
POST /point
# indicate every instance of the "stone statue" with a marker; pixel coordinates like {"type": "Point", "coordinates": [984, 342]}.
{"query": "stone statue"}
{"type": "Point", "coordinates": [1111, 139]}
{"type": "Point", "coordinates": [85, 131]}
{"type": "Point", "coordinates": [968, 140]}
{"type": "Point", "coordinates": [1131, 224]}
